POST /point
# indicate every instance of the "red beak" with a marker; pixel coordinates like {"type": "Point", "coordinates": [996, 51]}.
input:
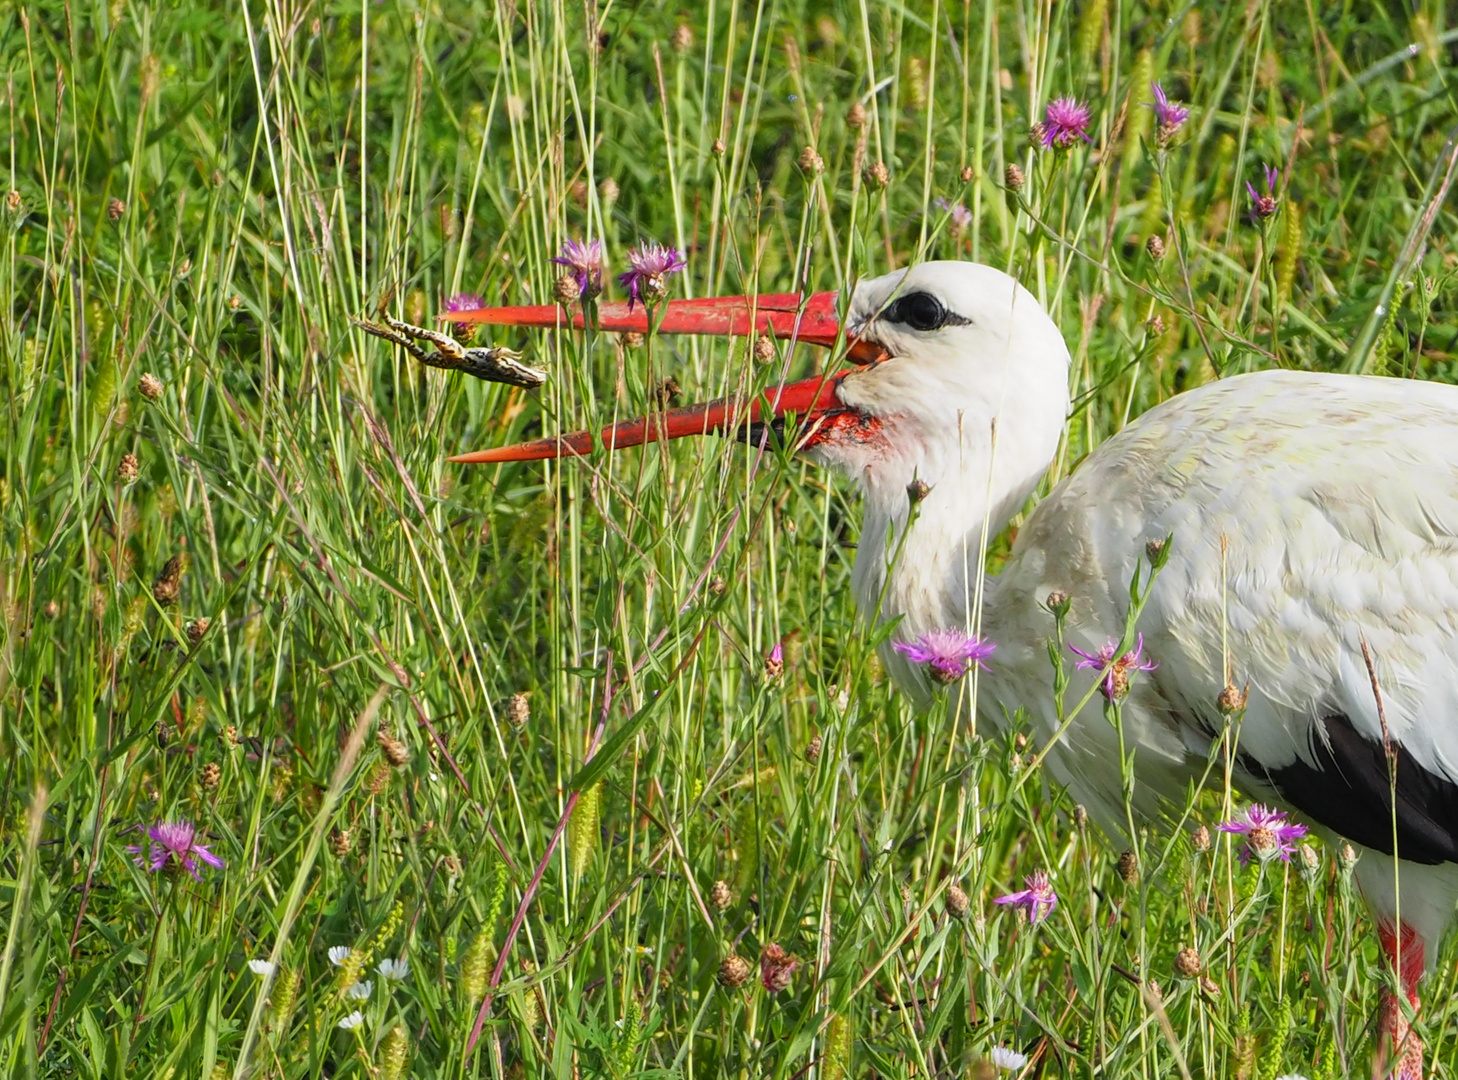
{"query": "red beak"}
{"type": "Point", "coordinates": [779, 315]}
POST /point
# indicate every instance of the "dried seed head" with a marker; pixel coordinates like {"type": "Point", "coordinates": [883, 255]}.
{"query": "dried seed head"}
{"type": "Point", "coordinates": [1155, 246]}
{"type": "Point", "coordinates": [150, 386]}
{"type": "Point", "coordinates": [1200, 838]}
{"type": "Point", "coordinates": [877, 175]}
{"type": "Point", "coordinates": [717, 586]}
{"type": "Point", "coordinates": [519, 709]}
{"type": "Point", "coordinates": [855, 116]}
{"type": "Point", "coordinates": [956, 901]}
{"type": "Point", "coordinates": [379, 778]}
{"type": "Point", "coordinates": [395, 751]}
{"type": "Point", "coordinates": [682, 39]}
{"type": "Point", "coordinates": [52, 609]}
{"type": "Point", "coordinates": [1080, 816]}
{"type": "Point", "coordinates": [1187, 962]}
{"type": "Point", "coordinates": [733, 971]}
{"type": "Point", "coordinates": [1013, 177]}
{"type": "Point", "coordinates": [631, 340]}
{"type": "Point", "coordinates": [566, 290]}
{"type": "Point", "coordinates": [718, 148]}
{"type": "Point", "coordinates": [1208, 987]}
{"type": "Point", "coordinates": [198, 628]}
{"type": "Point", "coordinates": [721, 896]}
{"type": "Point", "coordinates": [813, 748]}
{"type": "Point", "coordinates": [128, 470]}
{"type": "Point", "coordinates": [12, 201]}
{"type": "Point", "coordinates": [917, 491]}
{"type": "Point", "coordinates": [211, 776]}
{"type": "Point", "coordinates": [164, 734]}
{"type": "Point", "coordinates": [810, 162]}
{"type": "Point", "coordinates": [115, 209]}
{"type": "Point", "coordinates": [666, 392]}
{"type": "Point", "coordinates": [967, 174]}
{"type": "Point", "coordinates": [764, 349]}
{"type": "Point", "coordinates": [1128, 867]}
{"type": "Point", "coordinates": [776, 968]}
{"type": "Point", "coordinates": [340, 843]}
{"type": "Point", "coordinates": [168, 586]}
{"type": "Point", "coordinates": [1231, 700]}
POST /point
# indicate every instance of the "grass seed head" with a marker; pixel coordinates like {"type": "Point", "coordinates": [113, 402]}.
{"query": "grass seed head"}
{"type": "Point", "coordinates": [1200, 838]}
{"type": "Point", "coordinates": [394, 1053]}
{"type": "Point", "coordinates": [128, 470]}
{"type": "Point", "coordinates": [197, 629]}
{"type": "Point", "coordinates": [813, 748]}
{"type": "Point", "coordinates": [1080, 816]}
{"type": "Point", "coordinates": [211, 776]}
{"type": "Point", "coordinates": [810, 162]}
{"type": "Point", "coordinates": [855, 116]}
{"type": "Point", "coordinates": [395, 751]}
{"type": "Point", "coordinates": [168, 586]}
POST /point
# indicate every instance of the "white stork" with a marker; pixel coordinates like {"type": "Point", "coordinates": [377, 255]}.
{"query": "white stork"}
{"type": "Point", "coordinates": [1310, 514]}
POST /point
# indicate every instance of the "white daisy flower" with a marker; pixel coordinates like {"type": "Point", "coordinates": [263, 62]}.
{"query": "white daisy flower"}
{"type": "Point", "coordinates": [359, 991]}
{"type": "Point", "coordinates": [1007, 1059]}
{"type": "Point", "coordinates": [339, 954]}
{"type": "Point", "coordinates": [398, 970]}
{"type": "Point", "coordinates": [352, 1021]}
{"type": "Point", "coordinates": [261, 967]}
{"type": "Point", "coordinates": [1291, 1076]}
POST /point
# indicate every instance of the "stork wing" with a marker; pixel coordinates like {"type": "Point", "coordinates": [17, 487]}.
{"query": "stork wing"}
{"type": "Point", "coordinates": [1310, 514]}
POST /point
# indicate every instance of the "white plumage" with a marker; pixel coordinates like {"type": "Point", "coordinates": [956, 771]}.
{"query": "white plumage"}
{"type": "Point", "coordinates": [1309, 513]}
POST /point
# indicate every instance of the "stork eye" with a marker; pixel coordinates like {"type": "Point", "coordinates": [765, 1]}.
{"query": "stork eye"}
{"type": "Point", "coordinates": [920, 311]}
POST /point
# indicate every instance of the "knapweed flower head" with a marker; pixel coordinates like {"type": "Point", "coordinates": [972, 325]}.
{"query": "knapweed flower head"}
{"type": "Point", "coordinates": [1008, 1059]}
{"type": "Point", "coordinates": [948, 654]}
{"type": "Point", "coordinates": [1116, 683]}
{"type": "Point", "coordinates": [1065, 120]}
{"type": "Point", "coordinates": [465, 301]}
{"type": "Point", "coordinates": [647, 277]}
{"type": "Point", "coordinates": [1267, 834]}
{"type": "Point", "coordinates": [584, 261]}
{"type": "Point", "coordinates": [1263, 206]}
{"type": "Point", "coordinates": [1037, 896]}
{"type": "Point", "coordinates": [394, 970]}
{"type": "Point", "coordinates": [774, 663]}
{"type": "Point", "coordinates": [174, 847]}
{"type": "Point", "coordinates": [1169, 116]}
{"type": "Point", "coordinates": [960, 215]}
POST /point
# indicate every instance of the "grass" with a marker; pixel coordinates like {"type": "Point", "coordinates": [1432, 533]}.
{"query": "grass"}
{"type": "Point", "coordinates": [209, 194]}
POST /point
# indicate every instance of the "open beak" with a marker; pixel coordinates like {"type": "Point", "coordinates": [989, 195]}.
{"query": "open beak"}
{"type": "Point", "coordinates": [780, 315]}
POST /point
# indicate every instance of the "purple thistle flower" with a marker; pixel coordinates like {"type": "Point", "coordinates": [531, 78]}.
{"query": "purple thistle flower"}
{"type": "Point", "coordinates": [174, 846]}
{"type": "Point", "coordinates": [1064, 120]}
{"type": "Point", "coordinates": [650, 264]}
{"type": "Point", "coordinates": [1266, 834]}
{"type": "Point", "coordinates": [584, 260]}
{"type": "Point", "coordinates": [1169, 115]}
{"type": "Point", "coordinates": [1116, 681]}
{"type": "Point", "coordinates": [1263, 206]}
{"type": "Point", "coordinates": [464, 331]}
{"type": "Point", "coordinates": [961, 216]}
{"type": "Point", "coordinates": [1037, 896]}
{"type": "Point", "coordinates": [949, 654]}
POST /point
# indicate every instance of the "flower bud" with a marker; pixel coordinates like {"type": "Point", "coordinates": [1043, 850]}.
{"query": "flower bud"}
{"type": "Point", "coordinates": [13, 201]}
{"type": "Point", "coordinates": [967, 174]}
{"type": "Point", "coordinates": [1080, 816]}
{"type": "Point", "coordinates": [1013, 178]}
{"type": "Point", "coordinates": [721, 896]}
{"type": "Point", "coordinates": [1057, 602]}
{"type": "Point", "coordinates": [1155, 246]}
{"type": "Point", "coordinates": [918, 490]}
{"type": "Point", "coordinates": [810, 162]}
{"type": "Point", "coordinates": [813, 748]}
{"type": "Point", "coordinates": [718, 148]}
{"type": "Point", "coordinates": [566, 290]}
{"type": "Point", "coordinates": [168, 586]}
{"type": "Point", "coordinates": [1348, 856]}
{"type": "Point", "coordinates": [1187, 962]}
{"type": "Point", "coordinates": [1128, 867]}
{"type": "Point", "coordinates": [1231, 700]}
{"type": "Point", "coordinates": [1155, 325]}
{"type": "Point", "coordinates": [733, 971]}
{"type": "Point", "coordinates": [682, 39]}
{"type": "Point", "coordinates": [855, 116]}
{"type": "Point", "coordinates": [1200, 839]}
{"type": "Point", "coordinates": [956, 901]}
{"type": "Point", "coordinates": [211, 776]}
{"type": "Point", "coordinates": [395, 751]}
{"type": "Point", "coordinates": [149, 386]}
{"type": "Point", "coordinates": [774, 663]}
{"type": "Point", "coordinates": [128, 470]}
{"type": "Point", "coordinates": [519, 709]}
{"type": "Point", "coordinates": [776, 968]}
{"type": "Point", "coordinates": [197, 629]}
{"type": "Point", "coordinates": [877, 175]}
{"type": "Point", "coordinates": [114, 210]}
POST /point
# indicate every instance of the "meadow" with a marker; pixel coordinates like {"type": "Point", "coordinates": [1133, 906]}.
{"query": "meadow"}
{"type": "Point", "coordinates": [514, 726]}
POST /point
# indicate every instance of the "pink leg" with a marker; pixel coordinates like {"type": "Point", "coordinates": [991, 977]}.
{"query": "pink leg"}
{"type": "Point", "coordinates": [1400, 1045]}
